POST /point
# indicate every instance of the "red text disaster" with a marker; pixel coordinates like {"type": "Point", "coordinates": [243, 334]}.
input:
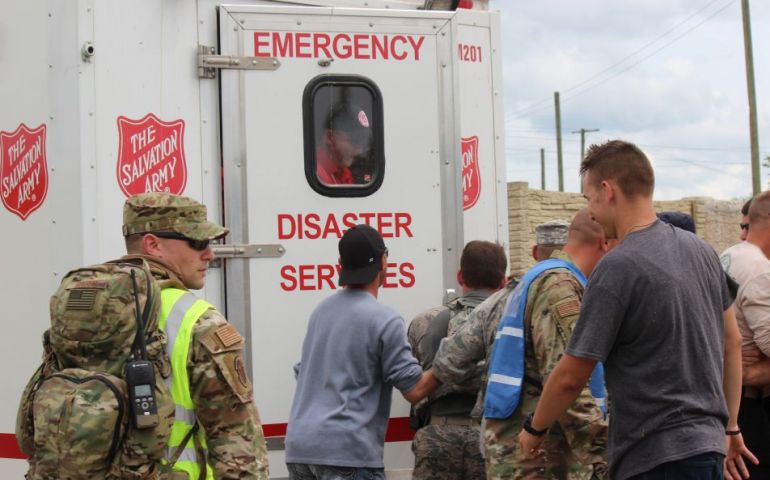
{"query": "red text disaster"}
{"type": "Point", "coordinates": [316, 226]}
{"type": "Point", "coordinates": [313, 226]}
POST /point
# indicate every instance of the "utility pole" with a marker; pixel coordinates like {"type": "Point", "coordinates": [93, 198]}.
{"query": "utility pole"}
{"type": "Point", "coordinates": [542, 169]}
{"type": "Point", "coordinates": [748, 50]}
{"type": "Point", "coordinates": [582, 133]}
{"type": "Point", "coordinates": [558, 141]}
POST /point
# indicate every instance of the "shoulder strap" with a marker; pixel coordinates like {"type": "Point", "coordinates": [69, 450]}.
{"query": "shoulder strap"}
{"type": "Point", "coordinates": [467, 303]}
{"type": "Point", "coordinates": [437, 330]}
{"type": "Point", "coordinates": [140, 345]}
{"type": "Point", "coordinates": [180, 448]}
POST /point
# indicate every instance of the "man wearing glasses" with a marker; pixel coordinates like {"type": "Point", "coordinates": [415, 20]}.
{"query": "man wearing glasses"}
{"type": "Point", "coordinates": [747, 262]}
{"type": "Point", "coordinates": [216, 424]}
{"type": "Point", "coordinates": [745, 220]}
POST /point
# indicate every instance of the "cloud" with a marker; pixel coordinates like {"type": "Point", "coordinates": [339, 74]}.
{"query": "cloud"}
{"type": "Point", "coordinates": [685, 104]}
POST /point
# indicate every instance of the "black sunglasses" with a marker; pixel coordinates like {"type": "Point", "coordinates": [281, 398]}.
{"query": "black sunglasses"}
{"type": "Point", "coordinates": [744, 226]}
{"type": "Point", "coordinates": [197, 245]}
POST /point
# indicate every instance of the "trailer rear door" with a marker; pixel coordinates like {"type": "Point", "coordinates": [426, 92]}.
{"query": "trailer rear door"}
{"type": "Point", "coordinates": [379, 77]}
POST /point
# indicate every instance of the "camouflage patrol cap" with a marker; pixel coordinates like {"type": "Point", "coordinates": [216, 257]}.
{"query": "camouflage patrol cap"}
{"type": "Point", "coordinates": [552, 233]}
{"type": "Point", "coordinates": [154, 212]}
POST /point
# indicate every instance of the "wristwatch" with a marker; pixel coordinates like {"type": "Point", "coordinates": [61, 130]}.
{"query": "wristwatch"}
{"type": "Point", "coordinates": [530, 429]}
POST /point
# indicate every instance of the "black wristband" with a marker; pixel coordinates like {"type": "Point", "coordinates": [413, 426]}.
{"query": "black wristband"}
{"type": "Point", "coordinates": [733, 432]}
{"type": "Point", "coordinates": [530, 429]}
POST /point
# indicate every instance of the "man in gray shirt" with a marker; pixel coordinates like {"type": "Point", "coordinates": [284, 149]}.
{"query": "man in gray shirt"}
{"type": "Point", "coordinates": [657, 312]}
{"type": "Point", "coordinates": [355, 351]}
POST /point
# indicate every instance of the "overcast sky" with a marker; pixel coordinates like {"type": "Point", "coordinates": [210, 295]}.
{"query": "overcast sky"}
{"type": "Point", "coordinates": [668, 75]}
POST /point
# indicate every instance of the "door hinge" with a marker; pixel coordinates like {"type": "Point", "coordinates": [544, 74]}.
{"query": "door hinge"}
{"type": "Point", "coordinates": [273, 250]}
{"type": "Point", "coordinates": [209, 62]}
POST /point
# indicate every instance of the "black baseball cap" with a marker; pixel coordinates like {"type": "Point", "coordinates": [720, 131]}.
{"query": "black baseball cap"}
{"type": "Point", "coordinates": [353, 120]}
{"type": "Point", "coordinates": [361, 248]}
{"type": "Point", "coordinates": [678, 219]}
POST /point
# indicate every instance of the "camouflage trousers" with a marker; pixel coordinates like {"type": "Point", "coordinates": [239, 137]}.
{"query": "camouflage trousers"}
{"type": "Point", "coordinates": [504, 460]}
{"type": "Point", "coordinates": [447, 452]}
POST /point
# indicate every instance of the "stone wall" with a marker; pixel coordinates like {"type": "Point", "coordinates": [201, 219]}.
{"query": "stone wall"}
{"type": "Point", "coordinates": [716, 221]}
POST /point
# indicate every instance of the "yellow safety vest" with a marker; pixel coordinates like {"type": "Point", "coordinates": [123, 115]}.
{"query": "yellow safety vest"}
{"type": "Point", "coordinates": [179, 310]}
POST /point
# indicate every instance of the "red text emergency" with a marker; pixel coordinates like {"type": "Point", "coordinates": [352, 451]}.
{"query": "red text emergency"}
{"type": "Point", "coordinates": [359, 46]}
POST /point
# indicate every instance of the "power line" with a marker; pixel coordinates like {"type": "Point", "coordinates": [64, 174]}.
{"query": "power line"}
{"type": "Point", "coordinates": [646, 146]}
{"type": "Point", "coordinates": [696, 163]}
{"type": "Point", "coordinates": [640, 50]}
{"type": "Point", "coordinates": [540, 137]}
{"type": "Point", "coordinates": [660, 161]}
{"type": "Point", "coordinates": [704, 149]}
{"type": "Point", "coordinates": [700, 165]}
{"type": "Point", "coordinates": [666, 45]}
{"type": "Point", "coordinates": [529, 164]}
{"type": "Point", "coordinates": [538, 105]}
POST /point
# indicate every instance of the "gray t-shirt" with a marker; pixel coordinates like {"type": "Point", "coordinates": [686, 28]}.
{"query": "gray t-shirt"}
{"type": "Point", "coordinates": [653, 313]}
{"type": "Point", "coordinates": [355, 351]}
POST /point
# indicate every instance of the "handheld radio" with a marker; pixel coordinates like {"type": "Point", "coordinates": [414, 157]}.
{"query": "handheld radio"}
{"type": "Point", "coordinates": [140, 374]}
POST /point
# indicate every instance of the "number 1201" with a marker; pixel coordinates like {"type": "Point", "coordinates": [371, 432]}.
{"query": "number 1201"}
{"type": "Point", "coordinates": [469, 53]}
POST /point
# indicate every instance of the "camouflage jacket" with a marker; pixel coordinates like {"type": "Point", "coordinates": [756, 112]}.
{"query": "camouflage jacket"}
{"type": "Point", "coordinates": [222, 395]}
{"type": "Point", "coordinates": [460, 309]}
{"type": "Point", "coordinates": [459, 354]}
{"type": "Point", "coordinates": [575, 446]}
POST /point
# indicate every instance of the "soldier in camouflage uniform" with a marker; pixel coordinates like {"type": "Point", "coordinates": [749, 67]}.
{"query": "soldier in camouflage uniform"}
{"type": "Point", "coordinates": [549, 237]}
{"type": "Point", "coordinates": [447, 447]}
{"type": "Point", "coordinates": [172, 234]}
{"type": "Point", "coordinates": [575, 447]}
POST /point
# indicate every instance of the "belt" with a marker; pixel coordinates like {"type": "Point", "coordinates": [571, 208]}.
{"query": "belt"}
{"type": "Point", "coordinates": [749, 392]}
{"type": "Point", "coordinates": [752, 392]}
{"type": "Point", "coordinates": [453, 420]}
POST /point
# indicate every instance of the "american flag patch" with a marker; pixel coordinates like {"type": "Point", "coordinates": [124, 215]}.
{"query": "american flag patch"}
{"type": "Point", "coordinates": [568, 309]}
{"type": "Point", "coordinates": [228, 335]}
{"type": "Point", "coordinates": [81, 299]}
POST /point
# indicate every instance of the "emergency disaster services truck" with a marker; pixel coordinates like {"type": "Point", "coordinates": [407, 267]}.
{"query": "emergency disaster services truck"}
{"type": "Point", "coordinates": [229, 103]}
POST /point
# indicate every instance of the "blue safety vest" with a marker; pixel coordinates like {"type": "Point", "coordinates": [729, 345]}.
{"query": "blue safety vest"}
{"type": "Point", "coordinates": [506, 364]}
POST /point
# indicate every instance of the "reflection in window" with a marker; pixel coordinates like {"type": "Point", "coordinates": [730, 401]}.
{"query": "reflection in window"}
{"type": "Point", "coordinates": [346, 136]}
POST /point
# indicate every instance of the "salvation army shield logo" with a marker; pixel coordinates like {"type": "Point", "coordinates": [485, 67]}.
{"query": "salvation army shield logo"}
{"type": "Point", "coordinates": [23, 170]}
{"type": "Point", "coordinates": [151, 156]}
{"type": "Point", "coordinates": [471, 173]}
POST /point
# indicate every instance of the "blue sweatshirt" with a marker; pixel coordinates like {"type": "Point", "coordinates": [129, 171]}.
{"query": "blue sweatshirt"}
{"type": "Point", "coordinates": [355, 351]}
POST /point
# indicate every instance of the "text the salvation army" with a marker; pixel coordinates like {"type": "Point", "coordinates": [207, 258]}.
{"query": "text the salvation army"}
{"type": "Point", "coordinates": [25, 169]}
{"type": "Point", "coordinates": [469, 157]}
{"type": "Point", "coordinates": [358, 46]}
{"type": "Point", "coordinates": [158, 157]}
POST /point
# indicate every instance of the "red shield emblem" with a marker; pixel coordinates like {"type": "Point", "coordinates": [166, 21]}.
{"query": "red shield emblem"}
{"type": "Point", "coordinates": [471, 173]}
{"type": "Point", "coordinates": [23, 170]}
{"type": "Point", "coordinates": [151, 156]}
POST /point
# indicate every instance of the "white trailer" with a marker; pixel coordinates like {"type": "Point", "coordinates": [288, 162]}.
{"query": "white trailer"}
{"type": "Point", "coordinates": [225, 102]}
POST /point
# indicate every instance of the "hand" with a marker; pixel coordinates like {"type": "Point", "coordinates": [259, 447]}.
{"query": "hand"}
{"type": "Point", "coordinates": [751, 354]}
{"type": "Point", "coordinates": [530, 445]}
{"type": "Point", "coordinates": [735, 467]}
